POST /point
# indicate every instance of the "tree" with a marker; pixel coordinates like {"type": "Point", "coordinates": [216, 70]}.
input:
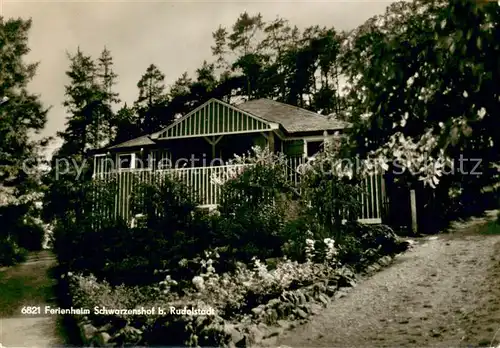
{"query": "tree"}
{"type": "Point", "coordinates": [22, 115]}
{"type": "Point", "coordinates": [107, 80]}
{"type": "Point", "coordinates": [181, 86]}
{"type": "Point", "coordinates": [423, 91]}
{"type": "Point", "coordinates": [205, 83]}
{"type": "Point", "coordinates": [127, 124]}
{"type": "Point", "coordinates": [70, 169]}
{"type": "Point", "coordinates": [151, 100]}
{"type": "Point", "coordinates": [83, 103]}
{"type": "Point", "coordinates": [220, 49]}
{"type": "Point", "coordinates": [245, 47]}
{"type": "Point", "coordinates": [280, 62]}
{"type": "Point", "coordinates": [279, 38]}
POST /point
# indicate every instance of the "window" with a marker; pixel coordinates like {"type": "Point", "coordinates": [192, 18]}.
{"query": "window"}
{"type": "Point", "coordinates": [126, 161]}
{"type": "Point", "coordinates": [313, 147]}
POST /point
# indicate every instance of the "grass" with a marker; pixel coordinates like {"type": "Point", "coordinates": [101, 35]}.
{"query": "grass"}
{"type": "Point", "coordinates": [25, 284]}
{"type": "Point", "coordinates": [491, 228]}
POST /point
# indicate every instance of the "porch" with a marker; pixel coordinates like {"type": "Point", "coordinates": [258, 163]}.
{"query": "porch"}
{"type": "Point", "coordinates": [196, 148]}
{"type": "Point", "coordinates": [207, 191]}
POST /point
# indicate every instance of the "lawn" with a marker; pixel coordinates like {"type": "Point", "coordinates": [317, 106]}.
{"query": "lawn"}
{"type": "Point", "coordinates": [26, 284]}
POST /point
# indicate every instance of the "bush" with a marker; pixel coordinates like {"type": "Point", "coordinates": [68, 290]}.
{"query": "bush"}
{"type": "Point", "coordinates": [357, 239]}
{"type": "Point", "coordinates": [252, 222]}
{"type": "Point", "coordinates": [30, 235]}
{"type": "Point", "coordinates": [253, 207]}
{"type": "Point", "coordinates": [231, 293]}
{"type": "Point", "coordinates": [297, 231]}
{"type": "Point", "coordinates": [11, 253]}
{"type": "Point", "coordinates": [98, 243]}
{"type": "Point", "coordinates": [19, 223]}
{"type": "Point", "coordinates": [330, 194]}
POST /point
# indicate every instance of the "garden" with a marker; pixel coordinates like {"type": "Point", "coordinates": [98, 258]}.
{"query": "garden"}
{"type": "Point", "coordinates": [268, 258]}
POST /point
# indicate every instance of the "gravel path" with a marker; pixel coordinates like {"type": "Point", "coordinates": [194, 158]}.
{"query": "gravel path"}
{"type": "Point", "coordinates": [444, 292]}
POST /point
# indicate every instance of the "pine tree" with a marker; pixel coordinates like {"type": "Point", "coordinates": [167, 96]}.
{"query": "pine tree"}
{"type": "Point", "coordinates": [152, 99]}
{"type": "Point", "coordinates": [70, 166]}
{"type": "Point", "coordinates": [106, 123]}
{"type": "Point", "coordinates": [83, 103]}
{"type": "Point", "coordinates": [181, 86]}
{"type": "Point", "coordinates": [127, 124]}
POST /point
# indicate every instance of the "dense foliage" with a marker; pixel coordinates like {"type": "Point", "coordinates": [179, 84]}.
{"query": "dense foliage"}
{"type": "Point", "coordinates": [21, 116]}
{"type": "Point", "coordinates": [170, 233]}
{"type": "Point", "coordinates": [95, 242]}
{"type": "Point", "coordinates": [10, 252]}
{"type": "Point", "coordinates": [21, 224]}
{"type": "Point", "coordinates": [423, 90]}
{"type": "Point", "coordinates": [253, 205]}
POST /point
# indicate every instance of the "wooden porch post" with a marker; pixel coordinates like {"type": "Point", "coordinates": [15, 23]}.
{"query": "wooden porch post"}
{"type": "Point", "coordinates": [213, 142]}
{"type": "Point", "coordinates": [269, 136]}
{"type": "Point", "coordinates": [270, 141]}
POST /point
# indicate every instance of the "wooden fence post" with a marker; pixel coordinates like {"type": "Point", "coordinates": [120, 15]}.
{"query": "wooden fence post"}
{"type": "Point", "coordinates": [413, 207]}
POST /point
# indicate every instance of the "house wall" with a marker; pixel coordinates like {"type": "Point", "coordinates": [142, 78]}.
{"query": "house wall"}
{"type": "Point", "coordinates": [293, 148]}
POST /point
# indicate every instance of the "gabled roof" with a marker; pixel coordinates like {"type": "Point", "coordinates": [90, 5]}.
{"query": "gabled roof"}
{"type": "Point", "coordinates": [292, 118]}
{"type": "Point", "coordinates": [269, 112]}
{"type": "Point", "coordinates": [220, 116]}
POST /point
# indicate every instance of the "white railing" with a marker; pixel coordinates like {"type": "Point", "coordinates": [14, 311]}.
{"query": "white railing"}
{"type": "Point", "coordinates": [207, 191]}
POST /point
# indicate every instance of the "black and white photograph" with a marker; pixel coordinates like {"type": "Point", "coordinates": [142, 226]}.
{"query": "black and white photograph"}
{"type": "Point", "coordinates": [272, 173]}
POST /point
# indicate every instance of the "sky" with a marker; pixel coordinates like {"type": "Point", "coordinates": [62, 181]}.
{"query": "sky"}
{"type": "Point", "coordinates": [174, 35]}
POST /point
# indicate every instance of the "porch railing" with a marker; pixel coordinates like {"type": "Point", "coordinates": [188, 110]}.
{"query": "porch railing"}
{"type": "Point", "coordinates": [206, 191]}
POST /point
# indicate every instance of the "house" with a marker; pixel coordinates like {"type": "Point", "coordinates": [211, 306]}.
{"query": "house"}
{"type": "Point", "coordinates": [200, 144]}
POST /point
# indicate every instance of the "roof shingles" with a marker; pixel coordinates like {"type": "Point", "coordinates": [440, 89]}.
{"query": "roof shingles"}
{"type": "Point", "coordinates": [292, 118]}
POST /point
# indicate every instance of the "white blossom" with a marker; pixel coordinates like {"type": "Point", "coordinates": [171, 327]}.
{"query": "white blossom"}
{"type": "Point", "coordinates": [481, 113]}
{"type": "Point", "coordinates": [199, 283]}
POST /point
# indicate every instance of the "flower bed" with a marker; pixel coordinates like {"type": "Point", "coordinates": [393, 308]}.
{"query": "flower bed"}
{"type": "Point", "coordinates": [250, 304]}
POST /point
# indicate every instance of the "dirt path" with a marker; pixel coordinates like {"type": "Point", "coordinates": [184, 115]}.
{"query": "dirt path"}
{"type": "Point", "coordinates": [444, 292]}
{"type": "Point", "coordinates": [29, 284]}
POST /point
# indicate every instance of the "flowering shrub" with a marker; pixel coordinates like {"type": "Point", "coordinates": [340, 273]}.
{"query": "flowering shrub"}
{"type": "Point", "coordinates": [252, 208]}
{"type": "Point", "coordinates": [329, 192]}
{"type": "Point", "coordinates": [235, 296]}
{"type": "Point", "coordinates": [229, 292]}
{"type": "Point", "coordinates": [232, 292]}
{"type": "Point", "coordinates": [257, 156]}
{"type": "Point", "coordinates": [20, 222]}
